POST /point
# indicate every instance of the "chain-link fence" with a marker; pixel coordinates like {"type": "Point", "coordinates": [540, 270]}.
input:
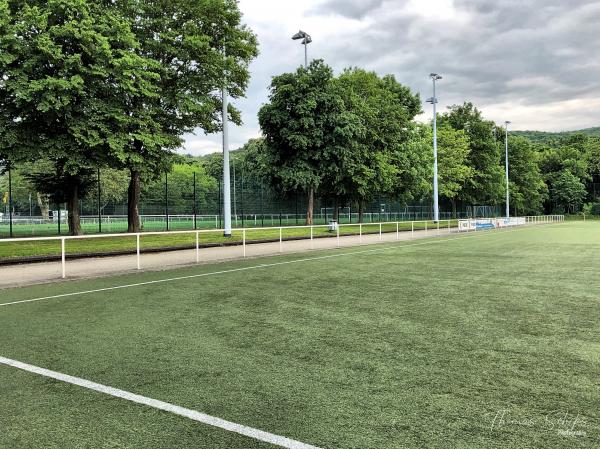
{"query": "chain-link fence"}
{"type": "Point", "coordinates": [187, 204]}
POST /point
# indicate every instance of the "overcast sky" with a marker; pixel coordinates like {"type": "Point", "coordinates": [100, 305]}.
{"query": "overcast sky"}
{"type": "Point", "coordinates": [533, 62]}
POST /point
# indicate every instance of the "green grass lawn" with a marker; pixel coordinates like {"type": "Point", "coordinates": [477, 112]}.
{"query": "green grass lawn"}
{"type": "Point", "coordinates": [102, 245]}
{"type": "Point", "coordinates": [411, 345]}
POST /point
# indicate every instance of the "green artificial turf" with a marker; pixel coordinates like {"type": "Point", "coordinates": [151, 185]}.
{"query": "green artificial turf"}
{"type": "Point", "coordinates": [407, 345]}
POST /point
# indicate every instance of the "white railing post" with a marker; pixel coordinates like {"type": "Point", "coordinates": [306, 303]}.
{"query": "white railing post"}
{"type": "Point", "coordinates": [312, 242]}
{"type": "Point", "coordinates": [137, 250]}
{"type": "Point", "coordinates": [63, 258]}
{"type": "Point", "coordinates": [280, 239]}
{"type": "Point", "coordinates": [449, 226]}
{"type": "Point", "coordinates": [380, 234]}
{"type": "Point", "coordinates": [337, 228]}
{"type": "Point", "coordinates": [244, 241]}
{"type": "Point", "coordinates": [397, 231]}
{"type": "Point", "coordinates": [360, 233]}
{"type": "Point", "coordinates": [197, 246]}
{"type": "Point", "coordinates": [412, 229]}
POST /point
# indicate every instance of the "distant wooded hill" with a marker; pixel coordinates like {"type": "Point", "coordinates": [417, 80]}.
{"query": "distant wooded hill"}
{"type": "Point", "coordinates": [542, 136]}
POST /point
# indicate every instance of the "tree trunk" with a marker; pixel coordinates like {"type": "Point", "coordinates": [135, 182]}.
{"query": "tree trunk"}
{"type": "Point", "coordinates": [44, 204]}
{"type": "Point", "coordinates": [360, 211]}
{"type": "Point", "coordinates": [311, 203]}
{"type": "Point", "coordinates": [133, 202]}
{"type": "Point", "coordinates": [336, 211]}
{"type": "Point", "coordinates": [73, 211]}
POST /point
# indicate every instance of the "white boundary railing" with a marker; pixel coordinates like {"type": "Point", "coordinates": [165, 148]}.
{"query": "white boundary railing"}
{"type": "Point", "coordinates": [473, 225]}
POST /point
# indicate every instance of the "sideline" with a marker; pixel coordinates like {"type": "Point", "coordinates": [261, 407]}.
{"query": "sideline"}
{"type": "Point", "coordinates": [251, 432]}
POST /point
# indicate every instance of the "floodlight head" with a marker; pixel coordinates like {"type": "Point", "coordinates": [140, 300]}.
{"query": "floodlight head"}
{"type": "Point", "coordinates": [300, 35]}
{"type": "Point", "coordinates": [432, 100]}
{"type": "Point", "coordinates": [507, 123]}
{"type": "Point", "coordinates": [435, 76]}
{"type": "Point", "coordinates": [307, 40]}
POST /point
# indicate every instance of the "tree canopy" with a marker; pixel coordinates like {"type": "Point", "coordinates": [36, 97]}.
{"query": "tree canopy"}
{"type": "Point", "coordinates": [115, 83]}
{"type": "Point", "coordinates": [304, 124]}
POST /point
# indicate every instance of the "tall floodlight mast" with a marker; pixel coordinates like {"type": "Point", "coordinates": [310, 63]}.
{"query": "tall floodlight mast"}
{"type": "Point", "coordinates": [506, 123]}
{"type": "Point", "coordinates": [226, 185]}
{"type": "Point", "coordinates": [306, 39]}
{"type": "Point", "coordinates": [433, 100]}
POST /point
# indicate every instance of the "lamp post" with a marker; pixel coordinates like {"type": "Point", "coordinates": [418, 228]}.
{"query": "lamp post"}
{"type": "Point", "coordinates": [506, 123]}
{"type": "Point", "coordinates": [433, 100]}
{"type": "Point", "coordinates": [306, 39]}
{"type": "Point", "coordinates": [226, 186]}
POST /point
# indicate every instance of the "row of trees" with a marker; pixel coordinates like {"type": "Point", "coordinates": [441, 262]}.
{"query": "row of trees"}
{"type": "Point", "coordinates": [113, 84]}
{"type": "Point", "coordinates": [354, 136]}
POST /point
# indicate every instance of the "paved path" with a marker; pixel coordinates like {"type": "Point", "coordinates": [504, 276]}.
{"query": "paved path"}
{"type": "Point", "coordinates": [35, 273]}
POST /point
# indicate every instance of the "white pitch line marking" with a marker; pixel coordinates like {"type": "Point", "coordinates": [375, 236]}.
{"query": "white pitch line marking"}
{"type": "Point", "coordinates": [194, 415]}
{"type": "Point", "coordinates": [254, 267]}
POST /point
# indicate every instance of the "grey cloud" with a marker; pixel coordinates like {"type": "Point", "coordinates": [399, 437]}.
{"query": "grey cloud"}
{"type": "Point", "coordinates": [354, 9]}
{"type": "Point", "coordinates": [480, 58]}
{"type": "Point", "coordinates": [529, 53]}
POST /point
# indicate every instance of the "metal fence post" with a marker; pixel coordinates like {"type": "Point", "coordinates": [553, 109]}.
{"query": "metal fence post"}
{"type": "Point", "coordinates": [137, 240]}
{"type": "Point", "coordinates": [195, 199]}
{"type": "Point", "coordinates": [280, 239]}
{"type": "Point", "coordinates": [167, 199]}
{"type": "Point", "coordinates": [242, 197]}
{"type": "Point", "coordinates": [99, 204]}
{"type": "Point", "coordinates": [220, 205]}
{"type": "Point", "coordinates": [360, 233]}
{"type": "Point", "coordinates": [63, 257]}
{"type": "Point", "coordinates": [244, 241]}
{"type": "Point", "coordinates": [10, 205]}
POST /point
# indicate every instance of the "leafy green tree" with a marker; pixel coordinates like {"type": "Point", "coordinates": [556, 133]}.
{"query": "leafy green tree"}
{"type": "Point", "coordinates": [562, 155]}
{"type": "Point", "coordinates": [453, 163]}
{"type": "Point", "coordinates": [486, 185]}
{"type": "Point", "coordinates": [200, 46]}
{"type": "Point", "coordinates": [113, 187]}
{"type": "Point", "coordinates": [68, 66]}
{"type": "Point", "coordinates": [527, 187]}
{"type": "Point", "coordinates": [304, 126]}
{"type": "Point", "coordinates": [372, 157]}
{"type": "Point", "coordinates": [566, 154]}
{"type": "Point", "coordinates": [593, 162]}
{"type": "Point", "coordinates": [181, 186]}
{"type": "Point", "coordinates": [567, 192]}
{"type": "Point", "coordinates": [593, 157]}
{"type": "Point", "coordinates": [453, 153]}
{"type": "Point", "coordinates": [22, 190]}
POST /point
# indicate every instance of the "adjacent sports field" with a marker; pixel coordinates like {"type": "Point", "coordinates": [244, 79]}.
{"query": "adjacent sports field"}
{"type": "Point", "coordinates": [487, 340]}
